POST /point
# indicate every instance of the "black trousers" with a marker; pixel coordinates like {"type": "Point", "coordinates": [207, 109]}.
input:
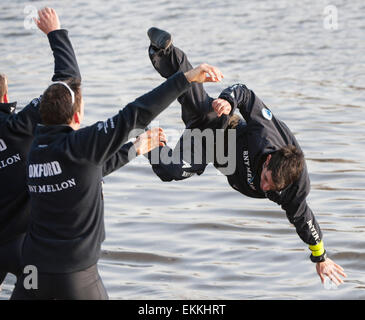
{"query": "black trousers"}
{"type": "Point", "coordinates": [81, 285]}
{"type": "Point", "coordinates": [10, 257]}
{"type": "Point", "coordinates": [196, 113]}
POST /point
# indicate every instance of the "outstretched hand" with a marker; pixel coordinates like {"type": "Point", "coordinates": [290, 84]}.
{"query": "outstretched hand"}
{"type": "Point", "coordinates": [48, 20]}
{"type": "Point", "coordinates": [150, 140]}
{"type": "Point", "coordinates": [221, 106]}
{"type": "Point", "coordinates": [204, 73]}
{"type": "Point", "coordinates": [331, 270]}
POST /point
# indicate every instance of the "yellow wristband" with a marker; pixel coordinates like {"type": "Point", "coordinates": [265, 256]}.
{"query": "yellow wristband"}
{"type": "Point", "coordinates": [317, 249]}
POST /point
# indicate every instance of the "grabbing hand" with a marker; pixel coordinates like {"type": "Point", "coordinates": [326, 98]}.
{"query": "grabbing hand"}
{"type": "Point", "coordinates": [221, 106]}
{"type": "Point", "coordinates": [204, 73]}
{"type": "Point", "coordinates": [48, 20]}
{"type": "Point", "coordinates": [150, 140]}
{"type": "Point", "coordinates": [331, 270]}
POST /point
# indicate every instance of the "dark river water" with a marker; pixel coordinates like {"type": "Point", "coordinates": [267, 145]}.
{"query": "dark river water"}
{"type": "Point", "coordinates": [198, 238]}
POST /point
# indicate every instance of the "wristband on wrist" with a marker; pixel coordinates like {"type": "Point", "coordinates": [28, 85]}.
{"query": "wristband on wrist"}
{"type": "Point", "coordinates": [320, 258]}
{"type": "Point", "coordinates": [318, 252]}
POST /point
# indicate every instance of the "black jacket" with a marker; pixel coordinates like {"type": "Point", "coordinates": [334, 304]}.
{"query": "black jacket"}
{"type": "Point", "coordinates": [16, 136]}
{"type": "Point", "coordinates": [65, 170]}
{"type": "Point", "coordinates": [262, 135]}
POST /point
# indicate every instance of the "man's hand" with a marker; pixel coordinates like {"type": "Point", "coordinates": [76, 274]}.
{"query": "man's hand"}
{"type": "Point", "coordinates": [204, 73]}
{"type": "Point", "coordinates": [221, 106]}
{"type": "Point", "coordinates": [150, 140]}
{"type": "Point", "coordinates": [331, 270]}
{"type": "Point", "coordinates": [48, 20]}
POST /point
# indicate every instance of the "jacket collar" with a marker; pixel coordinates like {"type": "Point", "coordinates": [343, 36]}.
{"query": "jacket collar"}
{"type": "Point", "coordinates": [45, 134]}
{"type": "Point", "coordinates": [8, 108]}
{"type": "Point", "coordinates": [42, 129]}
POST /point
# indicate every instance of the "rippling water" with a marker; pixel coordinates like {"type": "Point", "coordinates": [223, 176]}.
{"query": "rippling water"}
{"type": "Point", "coordinates": [200, 239]}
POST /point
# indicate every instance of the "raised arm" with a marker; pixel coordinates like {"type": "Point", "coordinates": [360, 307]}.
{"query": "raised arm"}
{"type": "Point", "coordinates": [65, 62]}
{"type": "Point", "coordinates": [65, 66]}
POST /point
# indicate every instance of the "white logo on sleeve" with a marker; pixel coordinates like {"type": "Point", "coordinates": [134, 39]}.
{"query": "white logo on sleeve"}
{"type": "Point", "coordinates": [104, 125]}
{"type": "Point", "coordinates": [100, 126]}
{"type": "Point", "coordinates": [266, 113]}
{"type": "Point", "coordinates": [36, 101]}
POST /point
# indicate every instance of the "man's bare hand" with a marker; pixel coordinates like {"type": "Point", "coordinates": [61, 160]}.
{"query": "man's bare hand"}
{"type": "Point", "coordinates": [221, 106]}
{"type": "Point", "coordinates": [204, 73]}
{"type": "Point", "coordinates": [48, 20]}
{"type": "Point", "coordinates": [331, 270]}
{"type": "Point", "coordinates": [150, 140]}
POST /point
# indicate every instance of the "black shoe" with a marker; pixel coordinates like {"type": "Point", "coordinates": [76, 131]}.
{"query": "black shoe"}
{"type": "Point", "coordinates": [160, 39]}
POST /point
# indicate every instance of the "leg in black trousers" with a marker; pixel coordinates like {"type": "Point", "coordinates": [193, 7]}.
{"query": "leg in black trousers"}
{"type": "Point", "coordinates": [197, 113]}
{"type": "Point", "coordinates": [10, 257]}
{"type": "Point", "coordinates": [81, 285]}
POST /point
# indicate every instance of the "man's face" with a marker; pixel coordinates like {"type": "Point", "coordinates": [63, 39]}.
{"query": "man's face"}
{"type": "Point", "coordinates": [266, 183]}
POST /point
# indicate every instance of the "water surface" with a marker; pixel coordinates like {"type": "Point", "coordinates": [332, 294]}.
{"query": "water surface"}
{"type": "Point", "coordinates": [200, 239]}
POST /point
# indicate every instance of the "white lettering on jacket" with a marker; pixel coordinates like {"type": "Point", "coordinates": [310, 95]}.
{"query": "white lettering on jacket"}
{"type": "Point", "coordinates": [313, 230]}
{"type": "Point", "coordinates": [250, 176]}
{"type": "Point", "coordinates": [104, 125]}
{"type": "Point", "coordinates": [44, 169]}
{"type": "Point", "coordinates": [70, 183]}
{"type": "Point", "coordinates": [9, 161]}
{"type": "Point", "coordinates": [2, 145]}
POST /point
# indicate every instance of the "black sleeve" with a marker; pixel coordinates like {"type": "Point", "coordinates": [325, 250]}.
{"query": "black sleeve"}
{"type": "Point", "coordinates": [24, 122]}
{"type": "Point", "coordinates": [65, 66]}
{"type": "Point", "coordinates": [298, 212]}
{"type": "Point", "coordinates": [98, 142]}
{"type": "Point", "coordinates": [249, 105]}
{"type": "Point", "coordinates": [185, 160]}
{"type": "Point", "coordinates": [126, 154]}
{"type": "Point", "coordinates": [65, 62]}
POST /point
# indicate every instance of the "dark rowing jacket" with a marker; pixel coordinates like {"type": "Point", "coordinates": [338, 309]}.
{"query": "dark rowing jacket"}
{"type": "Point", "coordinates": [264, 134]}
{"type": "Point", "coordinates": [64, 174]}
{"type": "Point", "coordinates": [16, 135]}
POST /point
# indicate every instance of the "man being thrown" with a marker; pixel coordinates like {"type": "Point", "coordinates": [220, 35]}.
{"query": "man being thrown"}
{"type": "Point", "coordinates": [65, 168]}
{"type": "Point", "coordinates": [268, 160]}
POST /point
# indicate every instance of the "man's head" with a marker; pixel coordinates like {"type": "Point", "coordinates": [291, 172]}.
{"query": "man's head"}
{"type": "Point", "coordinates": [57, 106]}
{"type": "Point", "coordinates": [281, 168]}
{"type": "Point", "coordinates": [3, 88]}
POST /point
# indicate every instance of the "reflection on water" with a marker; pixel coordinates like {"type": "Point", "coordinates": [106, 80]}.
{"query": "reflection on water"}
{"type": "Point", "coordinates": [199, 239]}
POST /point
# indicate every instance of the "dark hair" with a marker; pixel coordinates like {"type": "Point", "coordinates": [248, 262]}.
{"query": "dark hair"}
{"type": "Point", "coordinates": [3, 86]}
{"type": "Point", "coordinates": [286, 166]}
{"type": "Point", "coordinates": [56, 104]}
